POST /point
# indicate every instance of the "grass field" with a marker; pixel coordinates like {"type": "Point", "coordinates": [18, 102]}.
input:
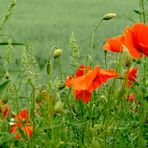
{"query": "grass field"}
{"type": "Point", "coordinates": [50, 23]}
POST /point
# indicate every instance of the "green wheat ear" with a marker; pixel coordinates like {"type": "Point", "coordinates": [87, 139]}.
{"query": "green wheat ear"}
{"type": "Point", "coordinates": [75, 53]}
{"type": "Point", "coordinates": [28, 61]}
{"type": "Point", "coordinates": [9, 54]}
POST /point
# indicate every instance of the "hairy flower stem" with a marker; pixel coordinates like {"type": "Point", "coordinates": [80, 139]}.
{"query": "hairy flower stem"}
{"type": "Point", "coordinates": [16, 96]}
{"type": "Point", "coordinates": [33, 108]}
{"type": "Point", "coordinates": [145, 74]}
{"type": "Point", "coordinates": [59, 61]}
{"type": "Point", "coordinates": [92, 38]}
{"type": "Point", "coordinates": [105, 57]}
{"type": "Point", "coordinates": [143, 19]}
{"type": "Point", "coordinates": [68, 97]}
{"type": "Point", "coordinates": [111, 91]}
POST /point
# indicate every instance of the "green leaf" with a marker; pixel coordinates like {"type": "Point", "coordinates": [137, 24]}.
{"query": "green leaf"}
{"type": "Point", "coordinates": [137, 11]}
{"type": "Point", "coordinates": [5, 137]}
{"type": "Point", "coordinates": [4, 85]}
{"type": "Point", "coordinates": [6, 43]}
{"type": "Point", "coordinates": [22, 133]}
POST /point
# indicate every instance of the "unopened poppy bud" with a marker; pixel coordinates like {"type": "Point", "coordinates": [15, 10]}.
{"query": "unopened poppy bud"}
{"type": "Point", "coordinates": [109, 16]}
{"type": "Point", "coordinates": [57, 53]}
{"type": "Point", "coordinates": [48, 68]}
{"type": "Point", "coordinates": [61, 85]}
{"type": "Point", "coordinates": [95, 143]}
{"type": "Point", "coordinates": [103, 98]}
{"type": "Point", "coordinates": [5, 99]}
{"type": "Point", "coordinates": [59, 107]}
{"type": "Point", "coordinates": [138, 61]}
{"type": "Point", "coordinates": [128, 61]}
{"type": "Point", "coordinates": [39, 99]}
{"type": "Point", "coordinates": [6, 75]}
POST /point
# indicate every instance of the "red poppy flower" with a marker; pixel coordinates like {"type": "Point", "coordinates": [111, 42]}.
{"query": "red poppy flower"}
{"type": "Point", "coordinates": [131, 76]}
{"type": "Point", "coordinates": [114, 44]}
{"type": "Point", "coordinates": [82, 70]}
{"type": "Point", "coordinates": [68, 81]}
{"type": "Point", "coordinates": [93, 79]}
{"type": "Point", "coordinates": [83, 95]}
{"type": "Point", "coordinates": [87, 79]}
{"type": "Point", "coordinates": [132, 98]}
{"type": "Point", "coordinates": [22, 121]}
{"type": "Point", "coordinates": [27, 130]}
{"type": "Point", "coordinates": [4, 109]}
{"type": "Point", "coordinates": [136, 40]}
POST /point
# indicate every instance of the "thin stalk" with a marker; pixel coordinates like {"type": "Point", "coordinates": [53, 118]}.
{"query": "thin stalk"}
{"type": "Point", "coordinates": [114, 81]}
{"type": "Point", "coordinates": [33, 108]}
{"type": "Point", "coordinates": [93, 36]}
{"type": "Point", "coordinates": [142, 10]}
{"type": "Point", "coordinates": [8, 13]}
{"type": "Point", "coordinates": [105, 57]}
{"type": "Point", "coordinates": [59, 61]}
{"type": "Point", "coordinates": [145, 72]}
{"type": "Point", "coordinates": [68, 97]}
{"type": "Point", "coordinates": [33, 113]}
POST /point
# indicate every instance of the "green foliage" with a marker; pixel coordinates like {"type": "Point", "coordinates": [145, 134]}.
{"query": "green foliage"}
{"type": "Point", "coordinates": [57, 119]}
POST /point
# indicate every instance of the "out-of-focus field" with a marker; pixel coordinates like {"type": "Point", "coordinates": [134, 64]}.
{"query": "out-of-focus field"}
{"type": "Point", "coordinates": [50, 23]}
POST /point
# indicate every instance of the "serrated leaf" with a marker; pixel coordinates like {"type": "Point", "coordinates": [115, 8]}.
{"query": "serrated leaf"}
{"type": "Point", "coordinates": [4, 85]}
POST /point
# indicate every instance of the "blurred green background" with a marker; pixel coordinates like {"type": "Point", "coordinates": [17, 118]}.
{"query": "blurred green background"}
{"type": "Point", "coordinates": [50, 23]}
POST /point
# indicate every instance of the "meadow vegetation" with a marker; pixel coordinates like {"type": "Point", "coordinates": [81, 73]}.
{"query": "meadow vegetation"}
{"type": "Point", "coordinates": [73, 73]}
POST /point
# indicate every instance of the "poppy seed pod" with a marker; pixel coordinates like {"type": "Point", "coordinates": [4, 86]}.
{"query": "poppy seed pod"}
{"type": "Point", "coordinates": [59, 107]}
{"type": "Point", "coordinates": [6, 75]}
{"type": "Point", "coordinates": [109, 16]}
{"type": "Point", "coordinates": [61, 85]}
{"type": "Point", "coordinates": [57, 53]}
{"type": "Point", "coordinates": [103, 98]}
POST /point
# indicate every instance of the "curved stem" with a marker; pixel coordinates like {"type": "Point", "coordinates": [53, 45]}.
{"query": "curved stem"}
{"type": "Point", "coordinates": [93, 35]}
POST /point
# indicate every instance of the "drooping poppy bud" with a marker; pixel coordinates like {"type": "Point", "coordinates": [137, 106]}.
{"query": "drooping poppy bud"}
{"type": "Point", "coordinates": [109, 16]}
{"type": "Point", "coordinates": [57, 53]}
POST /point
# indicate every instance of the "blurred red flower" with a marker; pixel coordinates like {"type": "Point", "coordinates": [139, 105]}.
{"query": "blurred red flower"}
{"type": "Point", "coordinates": [130, 77]}
{"type": "Point", "coordinates": [4, 109]}
{"type": "Point", "coordinates": [132, 98]}
{"type": "Point", "coordinates": [87, 80]}
{"type": "Point", "coordinates": [114, 44]}
{"type": "Point", "coordinates": [83, 95]}
{"type": "Point", "coordinates": [22, 121]}
{"type": "Point", "coordinates": [135, 39]}
{"type": "Point", "coordinates": [93, 79]}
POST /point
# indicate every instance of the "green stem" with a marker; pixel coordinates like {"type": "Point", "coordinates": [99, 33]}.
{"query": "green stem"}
{"type": "Point", "coordinates": [93, 36]}
{"type": "Point", "coordinates": [7, 15]}
{"type": "Point", "coordinates": [142, 10]}
{"type": "Point", "coordinates": [145, 72]}
{"type": "Point", "coordinates": [105, 56]}
{"type": "Point", "coordinates": [33, 108]}
{"type": "Point", "coordinates": [68, 97]}
{"type": "Point", "coordinates": [59, 61]}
